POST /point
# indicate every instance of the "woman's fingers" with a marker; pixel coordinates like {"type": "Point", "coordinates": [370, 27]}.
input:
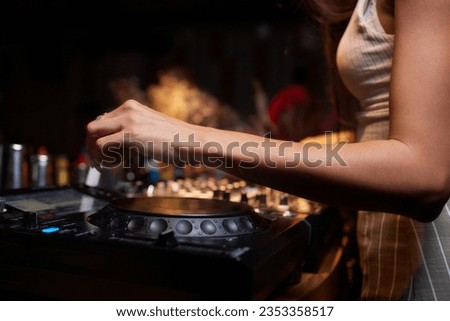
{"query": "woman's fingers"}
{"type": "Point", "coordinates": [97, 132]}
{"type": "Point", "coordinates": [106, 125]}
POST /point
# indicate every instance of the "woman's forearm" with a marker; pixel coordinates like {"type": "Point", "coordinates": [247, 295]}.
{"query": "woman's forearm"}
{"type": "Point", "coordinates": [384, 175]}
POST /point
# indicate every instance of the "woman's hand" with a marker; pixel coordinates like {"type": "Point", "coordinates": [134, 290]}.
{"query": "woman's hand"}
{"type": "Point", "coordinates": [134, 128]}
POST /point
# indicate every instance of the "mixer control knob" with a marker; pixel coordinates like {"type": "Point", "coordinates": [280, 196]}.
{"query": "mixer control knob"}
{"type": "Point", "coordinates": [208, 227]}
{"type": "Point", "coordinates": [216, 194]}
{"type": "Point", "coordinates": [284, 199]}
{"type": "Point", "coordinates": [157, 226]}
{"type": "Point", "coordinates": [183, 227]}
{"type": "Point", "coordinates": [30, 219]}
{"type": "Point", "coordinates": [230, 225]}
{"type": "Point", "coordinates": [262, 200]}
{"type": "Point", "coordinates": [135, 224]}
{"type": "Point", "coordinates": [244, 198]}
{"type": "Point", "coordinates": [247, 224]}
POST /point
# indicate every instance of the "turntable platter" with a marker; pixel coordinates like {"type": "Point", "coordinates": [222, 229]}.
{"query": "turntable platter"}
{"type": "Point", "coordinates": [181, 206]}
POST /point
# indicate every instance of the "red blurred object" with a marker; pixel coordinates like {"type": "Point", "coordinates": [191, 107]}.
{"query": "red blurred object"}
{"type": "Point", "coordinates": [81, 159]}
{"type": "Point", "coordinates": [289, 113]}
{"type": "Point", "coordinates": [288, 97]}
{"type": "Point", "coordinates": [42, 150]}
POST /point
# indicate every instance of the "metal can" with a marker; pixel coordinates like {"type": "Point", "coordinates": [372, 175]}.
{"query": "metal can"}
{"type": "Point", "coordinates": [40, 170]}
{"type": "Point", "coordinates": [17, 167]}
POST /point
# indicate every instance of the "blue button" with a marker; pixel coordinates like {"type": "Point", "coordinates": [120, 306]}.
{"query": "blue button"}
{"type": "Point", "coordinates": [50, 230]}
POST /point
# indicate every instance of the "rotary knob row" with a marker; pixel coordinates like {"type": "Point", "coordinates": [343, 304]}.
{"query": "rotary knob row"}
{"type": "Point", "coordinates": [204, 227]}
{"type": "Point", "coordinates": [192, 227]}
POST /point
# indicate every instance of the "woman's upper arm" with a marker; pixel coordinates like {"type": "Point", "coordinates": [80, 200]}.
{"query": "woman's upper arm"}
{"type": "Point", "coordinates": [420, 84]}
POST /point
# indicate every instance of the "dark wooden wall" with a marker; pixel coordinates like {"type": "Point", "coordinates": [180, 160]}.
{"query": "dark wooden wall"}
{"type": "Point", "coordinates": [57, 58]}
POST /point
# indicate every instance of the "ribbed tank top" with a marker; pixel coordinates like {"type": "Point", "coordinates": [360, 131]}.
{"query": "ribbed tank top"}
{"type": "Point", "coordinates": [400, 258]}
{"type": "Point", "coordinates": [364, 59]}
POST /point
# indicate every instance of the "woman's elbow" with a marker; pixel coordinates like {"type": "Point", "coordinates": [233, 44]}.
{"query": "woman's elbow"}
{"type": "Point", "coordinates": [433, 198]}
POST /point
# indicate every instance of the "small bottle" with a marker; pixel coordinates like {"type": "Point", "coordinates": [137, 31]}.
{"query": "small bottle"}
{"type": "Point", "coordinates": [41, 168]}
{"type": "Point", "coordinates": [62, 176]}
{"type": "Point", "coordinates": [81, 168]}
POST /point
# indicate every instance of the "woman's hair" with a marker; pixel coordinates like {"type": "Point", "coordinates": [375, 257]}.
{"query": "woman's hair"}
{"type": "Point", "coordinates": [330, 11]}
{"type": "Point", "coordinates": [333, 17]}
